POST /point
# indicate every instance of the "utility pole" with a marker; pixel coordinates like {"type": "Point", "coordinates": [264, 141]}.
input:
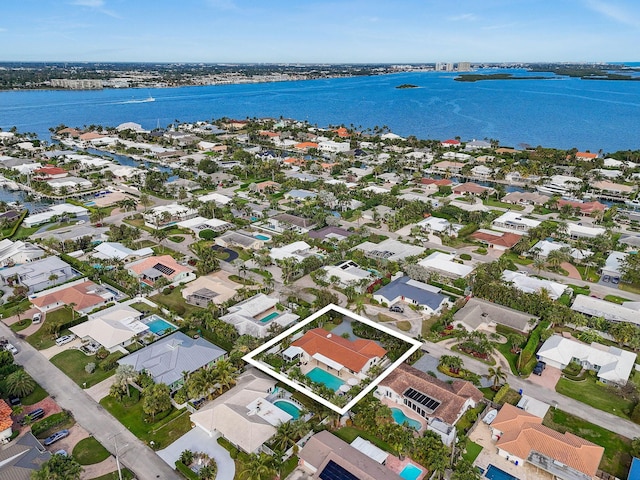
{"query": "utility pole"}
{"type": "Point", "coordinates": [115, 442]}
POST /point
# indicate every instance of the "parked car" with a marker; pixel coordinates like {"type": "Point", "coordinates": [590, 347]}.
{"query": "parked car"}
{"type": "Point", "coordinates": [37, 317]}
{"type": "Point", "coordinates": [55, 437]}
{"type": "Point", "coordinates": [30, 417]}
{"type": "Point", "coordinates": [396, 308]}
{"type": "Point", "coordinates": [65, 339]}
{"type": "Point", "coordinates": [10, 348]}
{"type": "Point", "coordinates": [615, 280]}
{"type": "Point", "coordinates": [62, 452]}
{"type": "Point", "coordinates": [606, 278]}
{"type": "Point", "coordinates": [14, 401]}
{"type": "Point", "coordinates": [539, 368]}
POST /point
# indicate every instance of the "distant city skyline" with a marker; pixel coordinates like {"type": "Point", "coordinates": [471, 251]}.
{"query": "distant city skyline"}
{"type": "Point", "coordinates": [314, 31]}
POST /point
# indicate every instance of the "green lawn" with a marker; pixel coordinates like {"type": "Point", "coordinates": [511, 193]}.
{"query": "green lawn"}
{"type": "Point", "coordinates": [34, 397]}
{"type": "Point", "coordinates": [512, 358]}
{"type": "Point", "coordinates": [616, 459]}
{"type": "Point", "coordinates": [72, 363]}
{"type": "Point", "coordinates": [577, 290]}
{"type": "Point", "coordinates": [591, 276]}
{"type": "Point", "coordinates": [143, 307]}
{"type": "Point", "coordinates": [404, 325]}
{"type": "Point", "coordinates": [21, 325]}
{"type": "Point", "coordinates": [492, 202]}
{"type": "Point", "coordinates": [349, 434]}
{"type": "Point", "coordinates": [126, 475]}
{"type": "Point", "coordinates": [162, 432]}
{"type": "Point", "coordinates": [598, 396]}
{"type": "Point", "coordinates": [42, 340]}
{"type": "Point", "coordinates": [9, 309]}
{"type": "Point", "coordinates": [89, 451]}
{"type": "Point", "coordinates": [616, 299]}
{"type": "Point", "coordinates": [174, 302]}
{"type": "Point", "coordinates": [472, 450]}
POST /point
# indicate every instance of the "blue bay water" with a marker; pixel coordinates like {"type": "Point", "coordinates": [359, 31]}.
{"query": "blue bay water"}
{"type": "Point", "coordinates": [560, 113]}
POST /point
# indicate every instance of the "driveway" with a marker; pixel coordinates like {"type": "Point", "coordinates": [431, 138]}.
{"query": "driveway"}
{"type": "Point", "coordinates": [232, 254]}
{"type": "Point", "coordinates": [76, 433]}
{"type": "Point", "coordinates": [51, 352]}
{"type": "Point", "coordinates": [101, 390]}
{"type": "Point", "coordinates": [134, 454]}
{"type": "Point", "coordinates": [197, 440]}
{"type": "Point", "coordinates": [548, 379]}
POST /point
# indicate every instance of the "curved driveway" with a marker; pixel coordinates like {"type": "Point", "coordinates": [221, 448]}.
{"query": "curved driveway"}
{"type": "Point", "coordinates": [134, 454]}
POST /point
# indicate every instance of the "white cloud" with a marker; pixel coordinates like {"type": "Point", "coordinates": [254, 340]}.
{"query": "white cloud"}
{"type": "Point", "coordinates": [463, 17]}
{"type": "Point", "coordinates": [613, 12]}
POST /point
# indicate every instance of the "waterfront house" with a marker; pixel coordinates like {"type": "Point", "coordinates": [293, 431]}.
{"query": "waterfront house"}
{"type": "Point", "coordinates": [525, 198]}
{"type": "Point", "coordinates": [168, 359]}
{"type": "Point", "coordinates": [520, 437]}
{"type": "Point", "coordinates": [336, 353]}
{"type": "Point", "coordinates": [438, 405]}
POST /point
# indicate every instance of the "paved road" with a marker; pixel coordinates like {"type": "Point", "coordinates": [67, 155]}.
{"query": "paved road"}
{"type": "Point", "coordinates": [607, 420]}
{"type": "Point", "coordinates": [135, 455]}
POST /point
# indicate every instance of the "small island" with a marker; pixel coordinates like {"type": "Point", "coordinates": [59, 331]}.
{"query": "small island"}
{"type": "Point", "coordinates": [407, 85]}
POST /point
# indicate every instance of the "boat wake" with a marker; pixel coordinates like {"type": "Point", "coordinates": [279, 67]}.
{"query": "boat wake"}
{"type": "Point", "coordinates": [144, 100]}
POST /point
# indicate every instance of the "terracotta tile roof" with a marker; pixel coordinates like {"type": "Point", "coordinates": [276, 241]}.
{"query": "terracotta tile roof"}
{"type": "Point", "coordinates": [91, 136]}
{"type": "Point", "coordinates": [432, 181]}
{"type": "Point", "coordinates": [50, 170]}
{"type": "Point", "coordinates": [451, 142]}
{"type": "Point", "coordinates": [586, 155]}
{"type": "Point", "coordinates": [523, 433]}
{"type": "Point", "coordinates": [166, 260]}
{"type": "Point", "coordinates": [306, 145]}
{"type": "Point", "coordinates": [585, 207]}
{"type": "Point", "coordinates": [502, 239]}
{"type": "Point", "coordinates": [469, 187]}
{"type": "Point", "coordinates": [265, 133]}
{"type": "Point", "coordinates": [452, 397]}
{"type": "Point", "coordinates": [71, 131]}
{"type": "Point", "coordinates": [342, 132]}
{"type": "Point", "coordinates": [352, 354]}
{"type": "Point", "coordinates": [81, 294]}
{"type": "Point", "coordinates": [5, 416]}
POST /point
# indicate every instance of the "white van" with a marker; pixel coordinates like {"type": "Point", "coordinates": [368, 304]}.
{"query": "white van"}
{"type": "Point", "coordinates": [37, 318]}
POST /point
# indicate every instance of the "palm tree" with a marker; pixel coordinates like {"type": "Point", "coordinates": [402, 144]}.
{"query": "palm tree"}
{"type": "Point", "coordinates": [225, 374]}
{"type": "Point", "coordinates": [496, 375]}
{"type": "Point", "coordinates": [124, 374]}
{"type": "Point", "coordinates": [286, 436]}
{"type": "Point", "coordinates": [20, 383]}
{"type": "Point", "coordinates": [257, 467]}
{"type": "Point", "coordinates": [58, 467]}
{"type": "Point", "coordinates": [452, 362]}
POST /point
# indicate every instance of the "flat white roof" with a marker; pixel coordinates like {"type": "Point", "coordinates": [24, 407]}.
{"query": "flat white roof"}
{"type": "Point", "coordinates": [444, 262]}
{"type": "Point", "coordinates": [597, 307]}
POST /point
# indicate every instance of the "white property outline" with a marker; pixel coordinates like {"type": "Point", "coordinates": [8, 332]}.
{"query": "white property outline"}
{"type": "Point", "coordinates": [249, 357]}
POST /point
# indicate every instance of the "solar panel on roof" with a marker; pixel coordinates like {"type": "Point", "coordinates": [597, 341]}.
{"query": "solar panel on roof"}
{"type": "Point", "coordinates": [333, 471]}
{"type": "Point", "coordinates": [164, 269]}
{"type": "Point", "coordinates": [422, 399]}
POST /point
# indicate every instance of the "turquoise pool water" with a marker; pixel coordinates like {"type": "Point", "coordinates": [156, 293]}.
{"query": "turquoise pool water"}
{"type": "Point", "coordinates": [288, 407]}
{"type": "Point", "coordinates": [159, 325]}
{"type": "Point", "coordinates": [400, 418]}
{"type": "Point", "coordinates": [264, 238]}
{"type": "Point", "coordinates": [271, 316]}
{"type": "Point", "coordinates": [494, 473]}
{"type": "Point", "coordinates": [89, 204]}
{"type": "Point", "coordinates": [410, 472]}
{"type": "Point", "coordinates": [321, 376]}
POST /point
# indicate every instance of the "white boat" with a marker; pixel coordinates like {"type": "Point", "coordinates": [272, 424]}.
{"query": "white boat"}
{"type": "Point", "coordinates": [144, 100]}
{"type": "Point", "coordinates": [490, 416]}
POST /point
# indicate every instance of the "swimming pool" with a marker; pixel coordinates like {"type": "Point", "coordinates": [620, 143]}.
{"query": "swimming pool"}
{"type": "Point", "coordinates": [410, 472]}
{"type": "Point", "coordinates": [400, 418]}
{"type": "Point", "coordinates": [264, 238]}
{"type": "Point", "coordinates": [159, 325]}
{"type": "Point", "coordinates": [321, 376]}
{"type": "Point", "coordinates": [90, 204]}
{"type": "Point", "coordinates": [291, 408]}
{"type": "Point", "coordinates": [494, 473]}
{"type": "Point", "coordinates": [269, 317]}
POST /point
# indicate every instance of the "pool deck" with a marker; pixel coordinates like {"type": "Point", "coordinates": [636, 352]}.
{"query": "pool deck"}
{"type": "Point", "coordinates": [489, 456]}
{"type": "Point", "coordinates": [311, 364]}
{"type": "Point", "coordinates": [396, 465]}
{"type": "Point", "coordinates": [407, 412]}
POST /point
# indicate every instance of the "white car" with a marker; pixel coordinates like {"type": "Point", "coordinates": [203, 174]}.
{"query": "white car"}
{"type": "Point", "coordinates": [37, 317]}
{"type": "Point", "coordinates": [10, 348]}
{"type": "Point", "coordinates": [65, 339]}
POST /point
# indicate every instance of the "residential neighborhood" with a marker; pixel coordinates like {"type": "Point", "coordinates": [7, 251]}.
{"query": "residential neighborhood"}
{"type": "Point", "coordinates": [265, 298]}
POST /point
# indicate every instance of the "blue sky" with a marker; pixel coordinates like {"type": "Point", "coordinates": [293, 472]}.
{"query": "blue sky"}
{"type": "Point", "coordinates": [310, 31]}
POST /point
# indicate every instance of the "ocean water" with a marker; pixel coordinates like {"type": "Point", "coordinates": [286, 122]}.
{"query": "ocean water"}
{"type": "Point", "coordinates": [562, 113]}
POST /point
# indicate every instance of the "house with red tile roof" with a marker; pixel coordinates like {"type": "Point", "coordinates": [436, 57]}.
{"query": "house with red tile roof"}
{"type": "Point", "coordinates": [497, 240]}
{"type": "Point", "coordinates": [69, 132]}
{"type": "Point", "coordinates": [151, 269]}
{"type": "Point", "coordinates": [585, 156]}
{"type": "Point", "coordinates": [520, 437]}
{"type": "Point", "coordinates": [342, 132]}
{"type": "Point", "coordinates": [437, 404]}
{"type": "Point", "coordinates": [471, 188]}
{"type": "Point", "coordinates": [49, 171]}
{"type": "Point", "coordinates": [450, 143]}
{"type": "Point", "coordinates": [91, 136]}
{"type": "Point", "coordinates": [336, 353]}
{"type": "Point", "coordinates": [5, 421]}
{"type": "Point", "coordinates": [266, 186]}
{"type": "Point", "coordinates": [83, 295]}
{"type": "Point", "coordinates": [586, 208]}
{"type": "Point", "coordinates": [305, 146]}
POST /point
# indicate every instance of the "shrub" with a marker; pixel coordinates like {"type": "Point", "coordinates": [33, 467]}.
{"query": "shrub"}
{"type": "Point", "coordinates": [500, 394]}
{"type": "Point", "coordinates": [207, 234]}
{"type": "Point", "coordinates": [102, 353]}
{"type": "Point", "coordinates": [166, 291]}
{"type": "Point", "coordinates": [465, 256]}
{"type": "Point", "coordinates": [90, 367]}
{"type": "Point", "coordinates": [181, 397]}
{"type": "Point", "coordinates": [185, 471]}
{"type": "Point", "coordinates": [110, 362]}
{"type": "Point", "coordinates": [635, 414]}
{"type": "Point", "coordinates": [51, 421]}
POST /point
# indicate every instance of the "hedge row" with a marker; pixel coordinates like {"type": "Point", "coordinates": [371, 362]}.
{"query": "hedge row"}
{"type": "Point", "coordinates": [51, 421]}
{"type": "Point", "coordinates": [186, 472]}
{"type": "Point", "coordinates": [500, 394]}
{"type": "Point", "coordinates": [447, 288]}
{"type": "Point", "coordinates": [529, 350]}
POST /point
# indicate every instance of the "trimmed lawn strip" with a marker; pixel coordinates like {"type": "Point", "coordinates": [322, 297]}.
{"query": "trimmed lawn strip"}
{"type": "Point", "coordinates": [616, 299]}
{"type": "Point", "coordinates": [72, 363]}
{"type": "Point", "coordinates": [598, 396]}
{"type": "Point", "coordinates": [616, 459]}
{"type": "Point", "coordinates": [349, 434]}
{"type": "Point", "coordinates": [490, 202]}
{"type": "Point", "coordinates": [162, 432]}
{"type": "Point", "coordinates": [512, 358]}
{"type": "Point", "coordinates": [472, 450]}
{"type": "Point", "coordinates": [89, 451]}
{"type": "Point", "coordinates": [36, 396]}
{"type": "Point", "coordinates": [21, 325]}
{"type": "Point", "coordinates": [126, 475]}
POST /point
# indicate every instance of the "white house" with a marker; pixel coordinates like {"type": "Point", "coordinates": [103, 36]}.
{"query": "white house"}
{"type": "Point", "coordinates": [444, 264]}
{"type": "Point", "coordinates": [297, 250]}
{"type": "Point", "coordinates": [256, 315]}
{"type": "Point", "coordinates": [611, 364]}
{"type": "Point", "coordinates": [527, 284]}
{"type": "Point", "coordinates": [165, 215]}
{"type": "Point", "coordinates": [349, 273]}
{"type": "Point", "coordinates": [514, 222]}
{"type": "Point", "coordinates": [440, 225]}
